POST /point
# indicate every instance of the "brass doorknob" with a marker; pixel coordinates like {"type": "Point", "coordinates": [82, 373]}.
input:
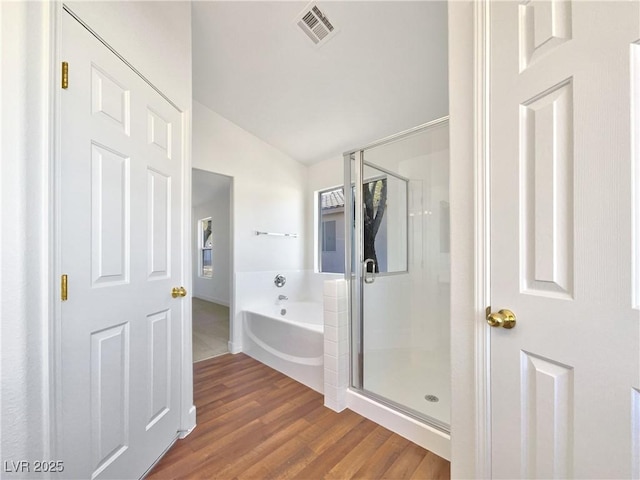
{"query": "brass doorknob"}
{"type": "Point", "coordinates": [504, 318]}
{"type": "Point", "coordinates": [178, 292]}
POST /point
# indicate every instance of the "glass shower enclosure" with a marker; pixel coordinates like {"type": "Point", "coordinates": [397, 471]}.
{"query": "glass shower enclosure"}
{"type": "Point", "coordinates": [398, 266]}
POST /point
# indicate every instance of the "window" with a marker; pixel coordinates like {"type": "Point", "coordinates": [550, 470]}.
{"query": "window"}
{"type": "Point", "coordinates": [205, 244]}
{"type": "Point", "coordinates": [385, 224]}
{"type": "Point", "coordinates": [331, 231]}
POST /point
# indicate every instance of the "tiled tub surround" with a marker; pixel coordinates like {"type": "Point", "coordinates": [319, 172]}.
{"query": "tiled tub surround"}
{"type": "Point", "coordinates": [336, 344]}
{"type": "Point", "coordinates": [309, 342]}
{"type": "Point", "coordinates": [291, 343]}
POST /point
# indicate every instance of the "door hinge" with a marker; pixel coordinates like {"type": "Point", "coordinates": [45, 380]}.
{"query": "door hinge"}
{"type": "Point", "coordinates": [63, 287]}
{"type": "Point", "coordinates": [65, 75]}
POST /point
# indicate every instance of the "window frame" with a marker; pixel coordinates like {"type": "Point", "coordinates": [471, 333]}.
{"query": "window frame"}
{"type": "Point", "coordinates": [382, 174]}
{"type": "Point", "coordinates": [202, 247]}
{"type": "Point", "coordinates": [320, 229]}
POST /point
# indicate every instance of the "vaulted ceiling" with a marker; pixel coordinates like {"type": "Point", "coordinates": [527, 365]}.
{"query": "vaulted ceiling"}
{"type": "Point", "coordinates": [383, 72]}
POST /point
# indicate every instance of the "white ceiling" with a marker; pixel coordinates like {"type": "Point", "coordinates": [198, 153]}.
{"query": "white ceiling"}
{"type": "Point", "coordinates": [384, 72]}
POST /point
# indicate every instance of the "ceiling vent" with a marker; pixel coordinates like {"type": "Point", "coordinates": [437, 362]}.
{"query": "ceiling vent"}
{"type": "Point", "coordinates": [315, 24]}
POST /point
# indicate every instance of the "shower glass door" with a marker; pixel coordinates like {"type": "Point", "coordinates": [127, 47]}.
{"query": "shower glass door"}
{"type": "Point", "coordinates": [400, 277]}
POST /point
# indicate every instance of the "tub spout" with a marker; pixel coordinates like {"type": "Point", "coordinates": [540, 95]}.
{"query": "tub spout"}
{"type": "Point", "coordinates": [283, 297]}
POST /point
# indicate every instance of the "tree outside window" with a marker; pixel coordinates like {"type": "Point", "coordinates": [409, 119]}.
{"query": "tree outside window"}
{"type": "Point", "coordinates": [375, 204]}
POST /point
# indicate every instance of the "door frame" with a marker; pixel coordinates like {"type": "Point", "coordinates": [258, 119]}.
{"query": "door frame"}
{"type": "Point", "coordinates": [469, 57]}
{"type": "Point", "coordinates": [483, 230]}
{"type": "Point", "coordinates": [53, 377]}
{"type": "Point", "coordinates": [230, 281]}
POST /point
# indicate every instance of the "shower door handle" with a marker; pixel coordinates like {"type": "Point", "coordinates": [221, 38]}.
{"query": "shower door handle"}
{"type": "Point", "coordinates": [369, 278]}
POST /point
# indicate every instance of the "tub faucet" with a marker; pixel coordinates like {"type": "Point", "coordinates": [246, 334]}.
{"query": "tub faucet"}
{"type": "Point", "coordinates": [283, 297]}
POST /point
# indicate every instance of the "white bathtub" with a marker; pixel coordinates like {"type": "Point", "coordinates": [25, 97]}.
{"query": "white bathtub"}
{"type": "Point", "coordinates": [292, 343]}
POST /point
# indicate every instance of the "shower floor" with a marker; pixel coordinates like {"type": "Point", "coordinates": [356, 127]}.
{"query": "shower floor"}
{"type": "Point", "coordinates": [406, 376]}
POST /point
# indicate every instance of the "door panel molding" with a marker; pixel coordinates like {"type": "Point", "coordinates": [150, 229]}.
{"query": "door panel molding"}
{"type": "Point", "coordinates": [159, 224]}
{"type": "Point", "coordinates": [110, 395]}
{"type": "Point", "coordinates": [547, 417]}
{"type": "Point", "coordinates": [158, 374]}
{"type": "Point", "coordinates": [110, 261]}
{"type": "Point", "coordinates": [544, 26]}
{"type": "Point", "coordinates": [111, 99]}
{"type": "Point", "coordinates": [546, 192]}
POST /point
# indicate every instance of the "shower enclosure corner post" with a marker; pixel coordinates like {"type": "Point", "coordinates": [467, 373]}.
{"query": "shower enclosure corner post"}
{"type": "Point", "coordinates": [353, 265]}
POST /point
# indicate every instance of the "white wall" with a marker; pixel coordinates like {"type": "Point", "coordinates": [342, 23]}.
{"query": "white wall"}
{"type": "Point", "coordinates": [24, 229]}
{"type": "Point", "coordinates": [27, 263]}
{"type": "Point", "coordinates": [269, 191]}
{"type": "Point", "coordinates": [256, 289]}
{"type": "Point", "coordinates": [216, 289]}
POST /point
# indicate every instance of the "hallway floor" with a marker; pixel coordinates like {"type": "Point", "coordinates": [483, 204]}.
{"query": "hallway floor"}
{"type": "Point", "coordinates": [210, 329]}
{"type": "Point", "coordinates": [256, 423]}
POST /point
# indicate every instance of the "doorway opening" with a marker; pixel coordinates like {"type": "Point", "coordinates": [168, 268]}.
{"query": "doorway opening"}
{"type": "Point", "coordinates": [212, 246]}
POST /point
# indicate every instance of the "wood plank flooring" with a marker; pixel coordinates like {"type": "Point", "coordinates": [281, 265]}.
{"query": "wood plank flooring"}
{"type": "Point", "coordinates": [256, 423]}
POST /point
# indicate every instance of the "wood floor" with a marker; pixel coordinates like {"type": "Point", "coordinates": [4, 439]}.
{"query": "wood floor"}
{"type": "Point", "coordinates": [256, 423]}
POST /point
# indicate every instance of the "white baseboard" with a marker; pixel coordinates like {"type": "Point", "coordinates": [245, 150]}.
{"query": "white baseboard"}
{"type": "Point", "coordinates": [427, 437]}
{"type": "Point", "coordinates": [234, 347]}
{"type": "Point", "coordinates": [211, 299]}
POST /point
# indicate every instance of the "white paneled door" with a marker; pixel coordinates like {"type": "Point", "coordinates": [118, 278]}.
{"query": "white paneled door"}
{"type": "Point", "coordinates": [120, 204]}
{"type": "Point", "coordinates": [564, 380]}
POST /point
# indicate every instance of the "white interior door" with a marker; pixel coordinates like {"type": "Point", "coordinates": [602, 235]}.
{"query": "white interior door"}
{"type": "Point", "coordinates": [120, 184]}
{"type": "Point", "coordinates": [562, 380]}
